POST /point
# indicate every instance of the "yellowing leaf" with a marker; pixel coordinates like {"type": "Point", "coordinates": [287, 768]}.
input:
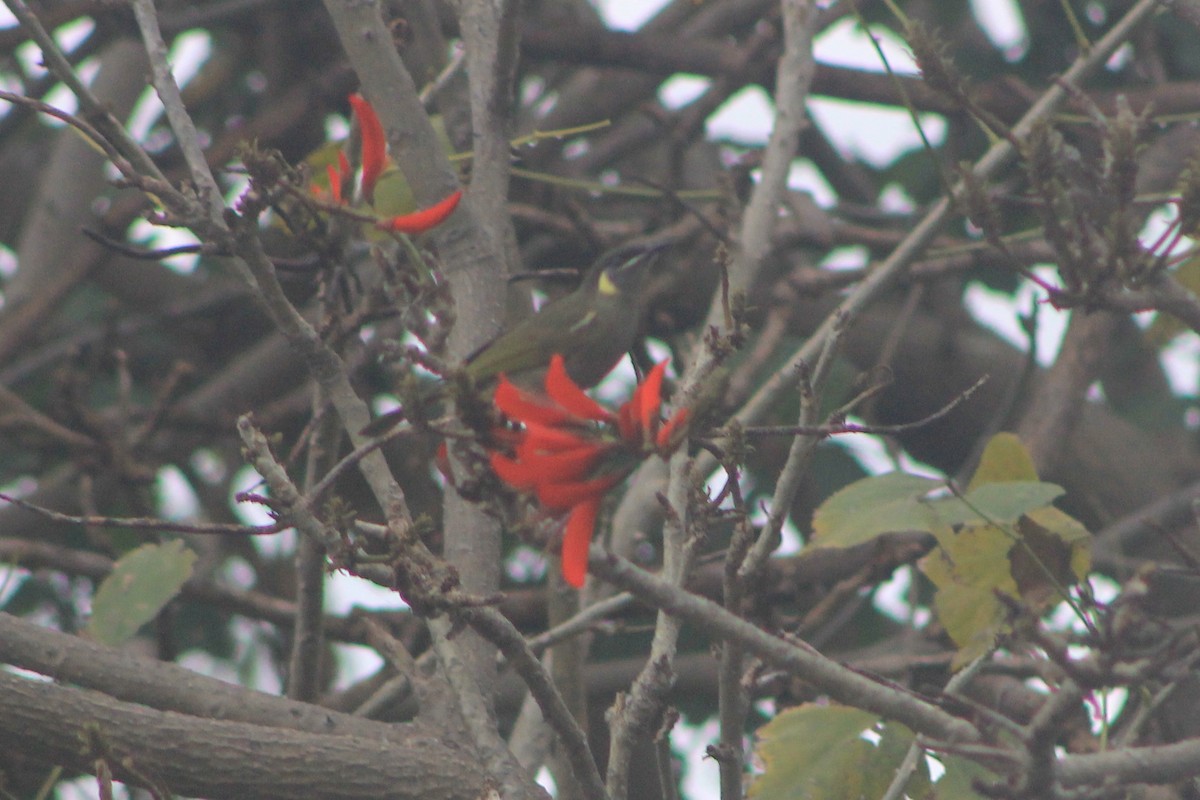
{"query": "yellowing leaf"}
{"type": "Point", "coordinates": [1004, 459]}
{"type": "Point", "coordinates": [1035, 561]}
{"type": "Point", "coordinates": [968, 568]}
{"type": "Point", "coordinates": [1054, 553]}
{"type": "Point", "coordinates": [1001, 536]}
{"type": "Point", "coordinates": [1070, 531]}
{"type": "Point", "coordinates": [821, 753]}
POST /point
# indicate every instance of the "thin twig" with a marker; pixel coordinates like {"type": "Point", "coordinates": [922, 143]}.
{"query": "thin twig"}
{"type": "Point", "coordinates": [294, 507]}
{"type": "Point", "coordinates": [147, 523]}
{"type": "Point", "coordinates": [794, 74]}
{"type": "Point", "coordinates": [308, 636]}
{"type": "Point", "coordinates": [582, 622]}
{"type": "Point", "coordinates": [955, 686]}
{"type": "Point", "coordinates": [497, 629]}
{"type": "Point", "coordinates": [90, 133]}
{"type": "Point", "coordinates": [186, 135]}
{"type": "Point", "coordinates": [142, 253]}
{"type": "Point", "coordinates": [664, 759]}
{"type": "Point", "coordinates": [732, 696]}
{"type": "Point", "coordinates": [800, 454]}
{"type": "Point", "coordinates": [112, 135]}
{"type": "Point", "coordinates": [453, 66]}
{"type": "Point", "coordinates": [20, 414]}
{"type": "Point", "coordinates": [885, 275]}
{"type": "Point", "coordinates": [850, 427]}
{"type": "Point", "coordinates": [640, 712]}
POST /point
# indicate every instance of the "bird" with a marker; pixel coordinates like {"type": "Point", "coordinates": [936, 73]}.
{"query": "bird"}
{"type": "Point", "coordinates": [591, 328]}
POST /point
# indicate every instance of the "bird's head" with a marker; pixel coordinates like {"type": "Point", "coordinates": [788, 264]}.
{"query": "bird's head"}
{"type": "Point", "coordinates": [622, 271]}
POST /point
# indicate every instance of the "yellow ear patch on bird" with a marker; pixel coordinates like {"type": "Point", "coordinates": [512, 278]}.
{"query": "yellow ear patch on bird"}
{"type": "Point", "coordinates": [606, 286]}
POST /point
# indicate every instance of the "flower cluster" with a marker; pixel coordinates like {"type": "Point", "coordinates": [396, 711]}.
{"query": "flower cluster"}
{"type": "Point", "coordinates": [571, 450]}
{"type": "Point", "coordinates": [374, 161]}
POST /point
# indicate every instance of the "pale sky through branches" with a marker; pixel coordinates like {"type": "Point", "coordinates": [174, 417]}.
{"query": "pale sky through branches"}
{"type": "Point", "coordinates": [884, 143]}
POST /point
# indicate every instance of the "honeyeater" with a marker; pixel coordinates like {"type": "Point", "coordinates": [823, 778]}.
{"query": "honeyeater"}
{"type": "Point", "coordinates": [592, 327]}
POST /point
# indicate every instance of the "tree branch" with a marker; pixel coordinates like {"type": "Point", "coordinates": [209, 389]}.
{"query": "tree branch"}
{"type": "Point", "coordinates": [885, 275]}
{"type": "Point", "coordinates": [840, 683]}
{"type": "Point", "coordinates": [74, 727]}
{"type": "Point", "coordinates": [169, 687]}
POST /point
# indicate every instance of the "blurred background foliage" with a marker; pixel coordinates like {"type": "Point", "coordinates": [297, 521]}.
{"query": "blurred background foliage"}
{"type": "Point", "coordinates": [122, 375]}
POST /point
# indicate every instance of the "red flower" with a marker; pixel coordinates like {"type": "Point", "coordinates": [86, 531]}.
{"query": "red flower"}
{"type": "Point", "coordinates": [335, 176]}
{"type": "Point", "coordinates": [374, 144]}
{"type": "Point", "coordinates": [374, 160]}
{"type": "Point", "coordinates": [572, 450]}
{"type": "Point", "coordinates": [426, 218]}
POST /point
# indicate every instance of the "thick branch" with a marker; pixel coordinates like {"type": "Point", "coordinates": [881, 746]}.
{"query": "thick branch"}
{"type": "Point", "coordinates": [1160, 764]}
{"type": "Point", "coordinates": [73, 727]}
{"type": "Point", "coordinates": [169, 687]}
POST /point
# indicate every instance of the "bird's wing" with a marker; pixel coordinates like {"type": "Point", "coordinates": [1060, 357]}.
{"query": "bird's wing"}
{"type": "Point", "coordinates": [512, 352]}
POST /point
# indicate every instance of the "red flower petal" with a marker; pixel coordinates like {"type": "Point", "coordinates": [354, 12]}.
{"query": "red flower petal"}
{"type": "Point", "coordinates": [423, 220]}
{"type": "Point", "coordinates": [581, 524]}
{"type": "Point", "coordinates": [442, 460]}
{"type": "Point", "coordinates": [335, 182]}
{"type": "Point", "coordinates": [666, 439]}
{"type": "Point", "coordinates": [517, 474]}
{"type": "Point", "coordinates": [574, 464]}
{"type": "Point", "coordinates": [540, 438]}
{"type": "Point", "coordinates": [627, 424]}
{"type": "Point", "coordinates": [564, 391]}
{"type": "Point", "coordinates": [648, 396]}
{"type": "Point", "coordinates": [560, 467]}
{"type": "Point", "coordinates": [524, 407]}
{"type": "Point", "coordinates": [502, 437]}
{"type": "Point", "coordinates": [374, 144]}
{"type": "Point", "coordinates": [562, 496]}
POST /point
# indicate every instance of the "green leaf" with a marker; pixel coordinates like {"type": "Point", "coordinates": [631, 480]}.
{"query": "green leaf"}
{"type": "Point", "coordinates": [955, 783]}
{"type": "Point", "coordinates": [819, 753]}
{"type": "Point", "coordinates": [870, 507]}
{"type": "Point", "coordinates": [142, 582]}
{"type": "Point", "coordinates": [894, 743]}
{"type": "Point", "coordinates": [1001, 536]}
{"type": "Point", "coordinates": [1000, 503]}
{"type": "Point", "coordinates": [897, 501]}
